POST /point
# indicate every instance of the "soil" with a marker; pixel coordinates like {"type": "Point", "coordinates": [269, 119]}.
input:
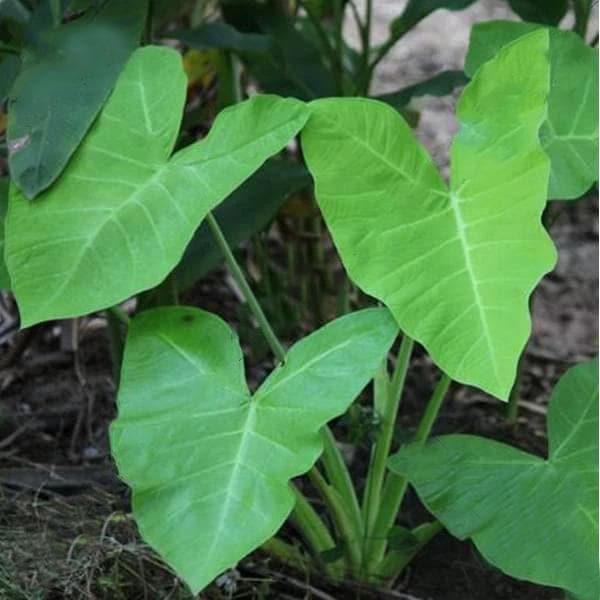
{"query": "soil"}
{"type": "Point", "coordinates": [65, 525]}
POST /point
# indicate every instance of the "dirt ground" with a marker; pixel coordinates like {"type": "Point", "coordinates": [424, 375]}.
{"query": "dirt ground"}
{"type": "Point", "coordinates": [65, 526]}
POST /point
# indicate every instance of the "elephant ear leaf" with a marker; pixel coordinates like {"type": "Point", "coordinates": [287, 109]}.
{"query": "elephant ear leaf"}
{"type": "Point", "coordinates": [123, 211]}
{"type": "Point", "coordinates": [208, 463]}
{"type": "Point", "coordinates": [534, 519]}
{"type": "Point", "coordinates": [569, 133]}
{"type": "Point", "coordinates": [455, 266]}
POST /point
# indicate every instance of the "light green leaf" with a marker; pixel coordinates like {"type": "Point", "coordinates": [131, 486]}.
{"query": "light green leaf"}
{"type": "Point", "coordinates": [208, 463]}
{"type": "Point", "coordinates": [534, 519]}
{"type": "Point", "coordinates": [570, 132]}
{"type": "Point", "coordinates": [122, 213]}
{"type": "Point", "coordinates": [455, 266]}
{"type": "Point", "coordinates": [67, 74]}
{"type": "Point", "coordinates": [4, 278]}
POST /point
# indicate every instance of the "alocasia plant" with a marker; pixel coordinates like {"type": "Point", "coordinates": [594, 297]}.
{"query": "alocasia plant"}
{"type": "Point", "coordinates": [123, 211]}
{"type": "Point", "coordinates": [210, 463]}
{"type": "Point", "coordinates": [505, 499]}
{"type": "Point", "coordinates": [446, 261]}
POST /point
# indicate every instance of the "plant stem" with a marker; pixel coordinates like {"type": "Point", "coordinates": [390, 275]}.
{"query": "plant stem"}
{"type": "Point", "coordinates": [339, 476]}
{"type": "Point", "coordinates": [512, 408]}
{"type": "Point", "coordinates": [366, 70]}
{"type": "Point", "coordinates": [346, 528]}
{"type": "Point", "coordinates": [240, 279]}
{"type": "Point", "coordinates": [117, 312]}
{"type": "Point", "coordinates": [338, 9]}
{"type": "Point", "coordinates": [581, 8]}
{"type": "Point", "coordinates": [315, 532]}
{"type": "Point", "coordinates": [392, 394]}
{"type": "Point", "coordinates": [395, 485]}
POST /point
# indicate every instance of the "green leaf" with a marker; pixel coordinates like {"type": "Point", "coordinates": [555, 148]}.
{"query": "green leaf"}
{"type": "Point", "coordinates": [9, 69]}
{"type": "Point", "coordinates": [535, 519]}
{"type": "Point", "coordinates": [208, 463]}
{"type": "Point", "coordinates": [122, 213]}
{"type": "Point", "coordinates": [64, 80]}
{"type": "Point", "coordinates": [295, 66]}
{"type": "Point", "coordinates": [548, 12]}
{"type": "Point", "coordinates": [417, 10]}
{"type": "Point", "coordinates": [570, 132]}
{"type": "Point", "coordinates": [441, 84]}
{"type": "Point", "coordinates": [4, 278]}
{"type": "Point", "coordinates": [223, 36]}
{"type": "Point", "coordinates": [455, 266]}
{"type": "Point", "coordinates": [247, 210]}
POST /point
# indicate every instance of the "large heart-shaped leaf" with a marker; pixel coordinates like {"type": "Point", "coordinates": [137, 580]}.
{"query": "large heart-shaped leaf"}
{"type": "Point", "coordinates": [534, 519]}
{"type": "Point", "coordinates": [208, 463]}
{"type": "Point", "coordinates": [67, 74]}
{"type": "Point", "coordinates": [455, 266]}
{"type": "Point", "coordinates": [122, 213]}
{"type": "Point", "coordinates": [570, 132]}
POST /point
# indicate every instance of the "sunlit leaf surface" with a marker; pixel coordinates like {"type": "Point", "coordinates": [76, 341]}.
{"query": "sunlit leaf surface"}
{"type": "Point", "coordinates": [208, 463]}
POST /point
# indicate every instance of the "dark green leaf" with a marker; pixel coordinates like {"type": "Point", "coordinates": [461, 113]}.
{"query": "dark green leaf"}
{"type": "Point", "coordinates": [62, 85]}
{"type": "Point", "coordinates": [295, 67]}
{"type": "Point", "coordinates": [9, 69]}
{"type": "Point", "coordinates": [223, 36]}
{"type": "Point", "coordinates": [442, 84]}
{"type": "Point", "coordinates": [417, 10]}
{"type": "Point", "coordinates": [548, 12]}
{"type": "Point", "coordinates": [535, 519]}
{"type": "Point", "coordinates": [14, 10]}
{"type": "Point", "coordinates": [246, 211]}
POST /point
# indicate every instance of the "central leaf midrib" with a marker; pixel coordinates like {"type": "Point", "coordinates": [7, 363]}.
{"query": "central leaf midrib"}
{"type": "Point", "coordinates": [237, 463]}
{"type": "Point", "coordinates": [462, 236]}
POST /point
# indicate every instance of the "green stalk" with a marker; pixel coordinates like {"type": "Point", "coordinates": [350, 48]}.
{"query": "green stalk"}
{"type": "Point", "coordinates": [581, 8]}
{"type": "Point", "coordinates": [315, 533]}
{"type": "Point", "coordinates": [344, 524]}
{"type": "Point", "coordinates": [395, 485]}
{"type": "Point", "coordinates": [391, 396]}
{"type": "Point", "coordinates": [240, 279]}
{"type": "Point", "coordinates": [512, 407]}
{"type": "Point", "coordinates": [366, 72]}
{"type": "Point", "coordinates": [339, 46]}
{"type": "Point", "coordinates": [339, 476]}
